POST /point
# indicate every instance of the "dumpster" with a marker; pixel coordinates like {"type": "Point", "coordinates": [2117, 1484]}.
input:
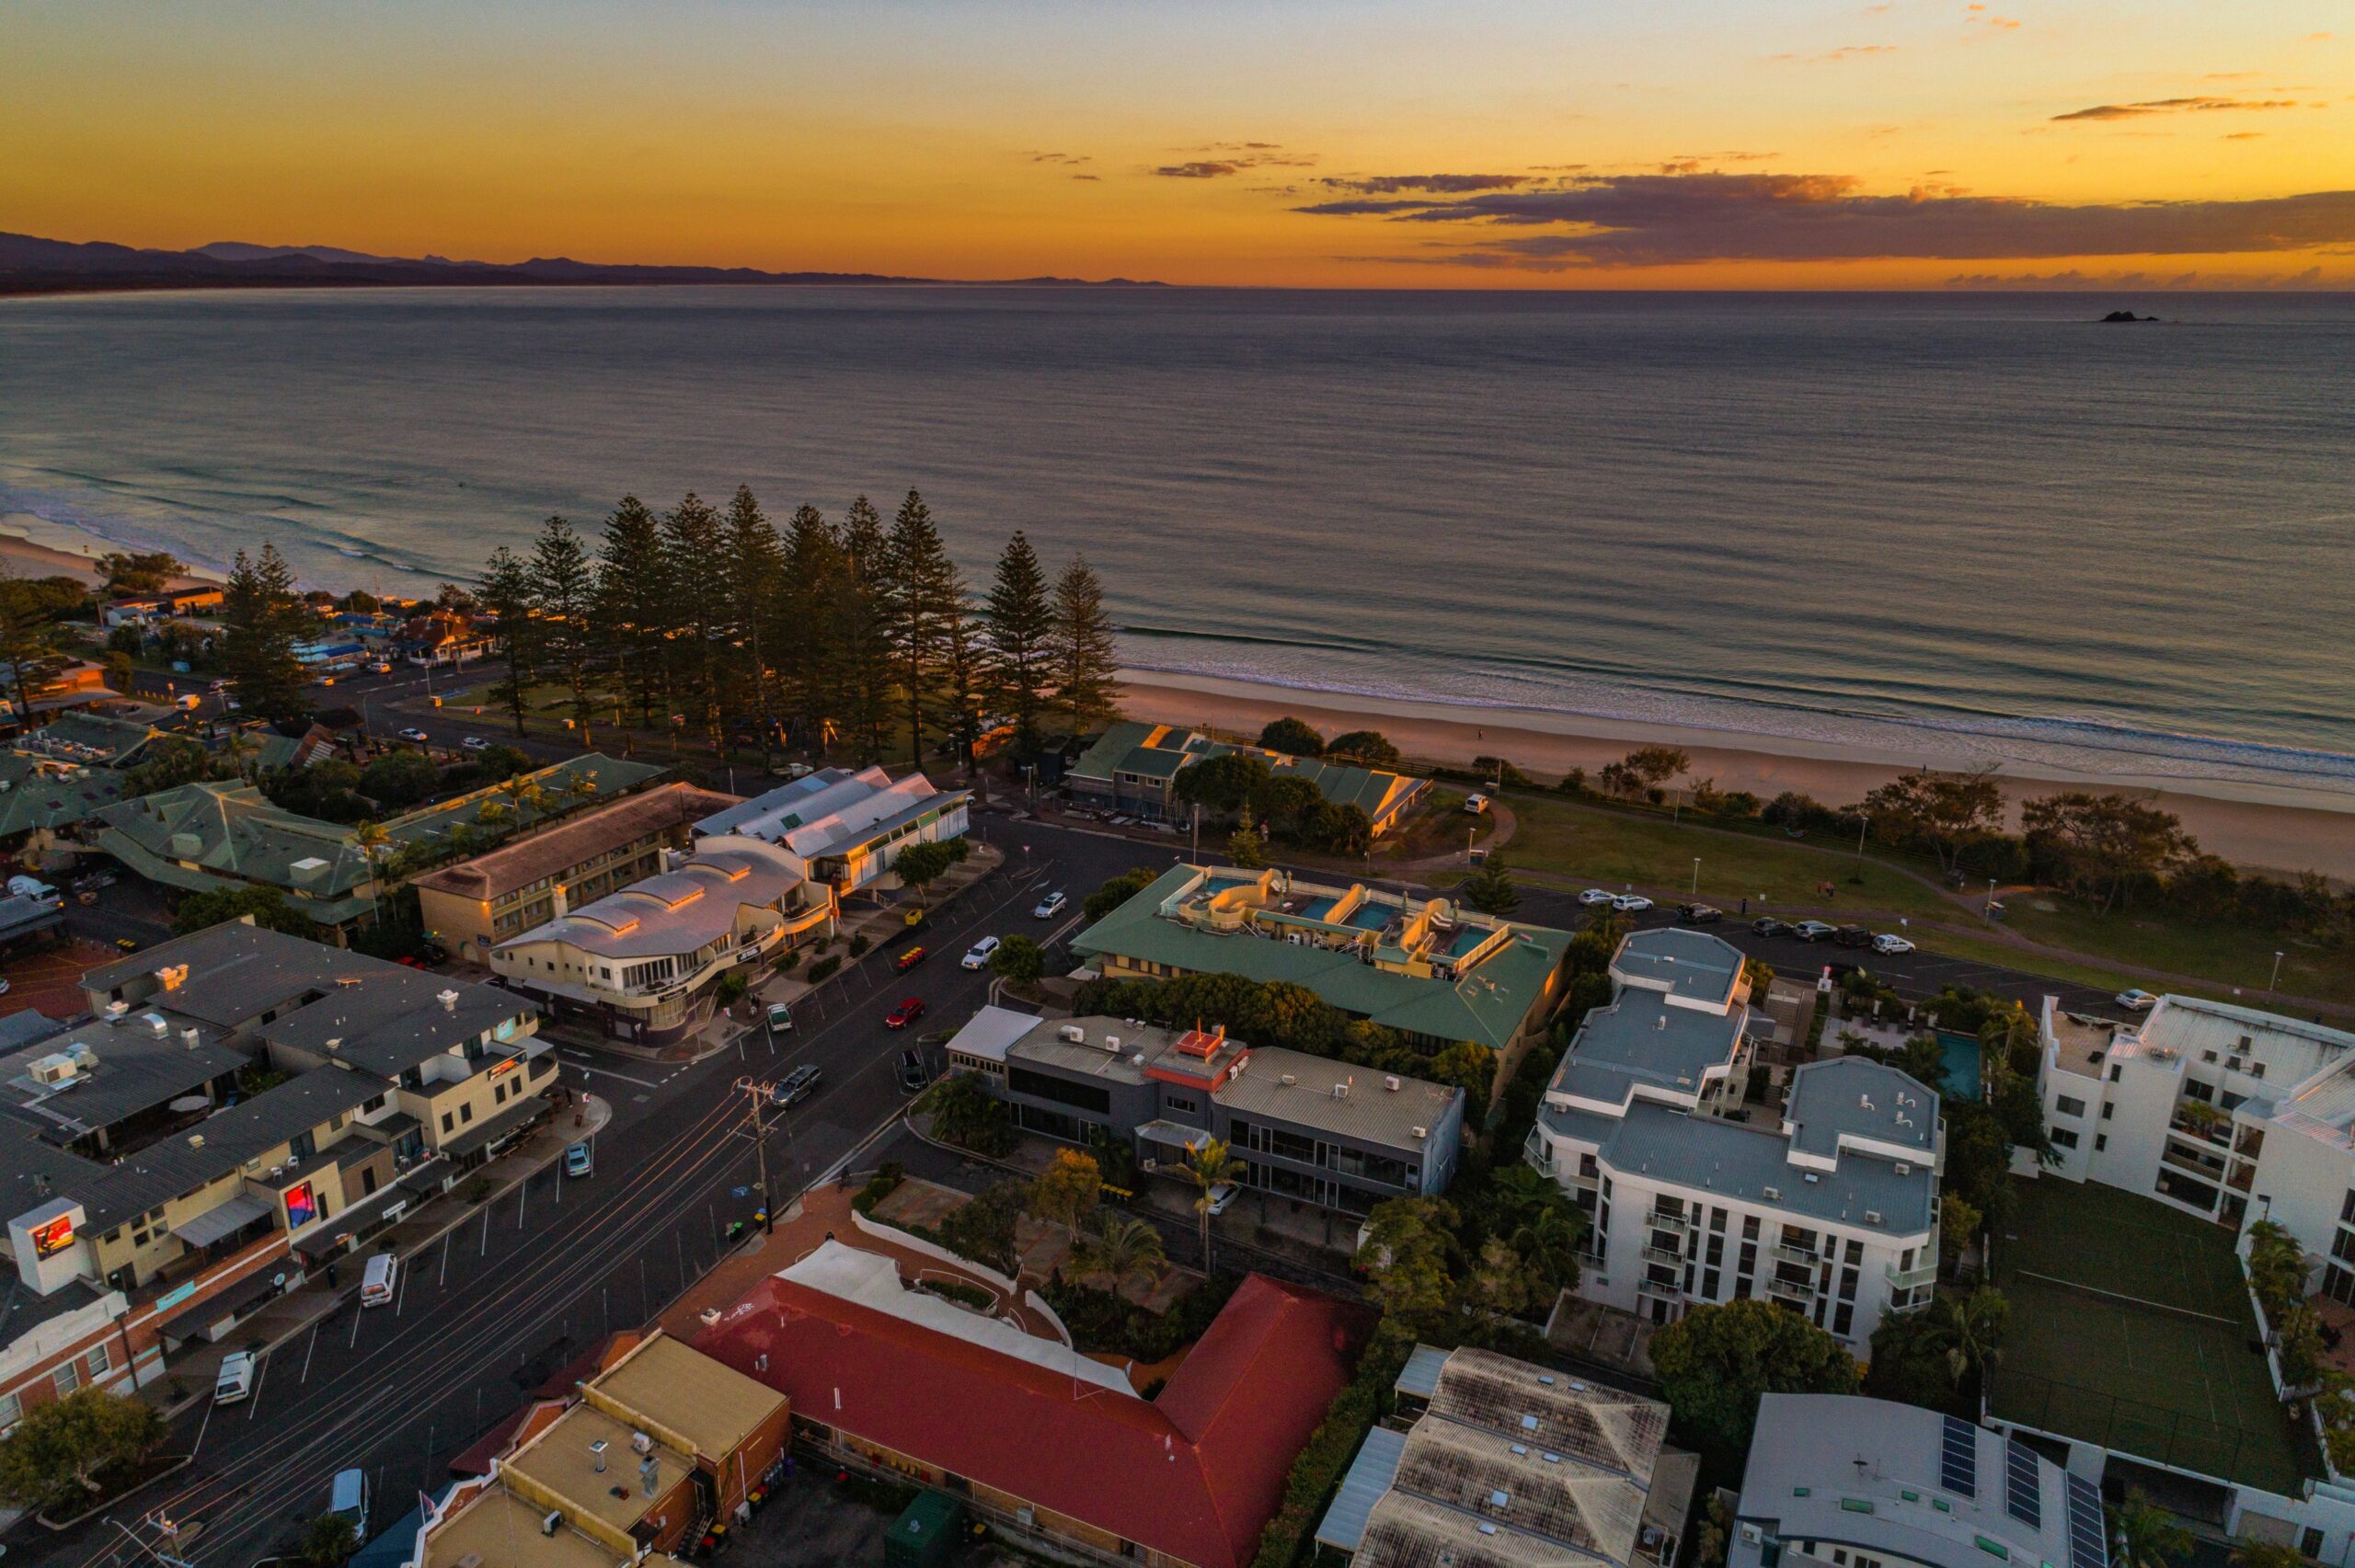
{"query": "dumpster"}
{"type": "Point", "coordinates": [924, 1534]}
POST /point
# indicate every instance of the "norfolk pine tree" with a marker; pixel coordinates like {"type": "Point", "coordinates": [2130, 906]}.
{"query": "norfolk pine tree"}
{"type": "Point", "coordinates": [1022, 621]}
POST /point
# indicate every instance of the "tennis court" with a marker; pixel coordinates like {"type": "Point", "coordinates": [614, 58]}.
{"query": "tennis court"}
{"type": "Point", "coordinates": [2130, 1328]}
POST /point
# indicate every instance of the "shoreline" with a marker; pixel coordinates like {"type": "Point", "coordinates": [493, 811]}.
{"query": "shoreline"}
{"type": "Point", "coordinates": [2278, 828]}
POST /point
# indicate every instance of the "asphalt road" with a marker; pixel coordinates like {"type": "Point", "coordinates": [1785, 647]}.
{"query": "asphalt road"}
{"type": "Point", "coordinates": [535, 1277]}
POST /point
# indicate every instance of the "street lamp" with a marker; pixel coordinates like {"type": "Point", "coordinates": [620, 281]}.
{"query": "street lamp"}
{"type": "Point", "coordinates": [1697, 875]}
{"type": "Point", "coordinates": [1990, 911]}
{"type": "Point", "coordinates": [1864, 820]}
{"type": "Point", "coordinates": [2275, 983]}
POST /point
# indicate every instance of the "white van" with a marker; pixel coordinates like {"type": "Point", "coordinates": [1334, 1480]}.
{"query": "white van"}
{"type": "Point", "coordinates": [1476, 804]}
{"type": "Point", "coordinates": [236, 1379]}
{"type": "Point", "coordinates": [376, 1285]}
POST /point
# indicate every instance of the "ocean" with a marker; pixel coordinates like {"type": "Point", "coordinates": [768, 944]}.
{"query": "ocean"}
{"type": "Point", "coordinates": [1975, 526]}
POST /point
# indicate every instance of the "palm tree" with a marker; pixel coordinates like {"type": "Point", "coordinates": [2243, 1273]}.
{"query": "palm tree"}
{"type": "Point", "coordinates": [1128, 1249]}
{"type": "Point", "coordinates": [1210, 1166]}
{"type": "Point", "coordinates": [2144, 1535]}
{"type": "Point", "coordinates": [1975, 1326]}
{"type": "Point", "coordinates": [372, 839]}
{"type": "Point", "coordinates": [239, 749]}
{"type": "Point", "coordinates": [1553, 1238]}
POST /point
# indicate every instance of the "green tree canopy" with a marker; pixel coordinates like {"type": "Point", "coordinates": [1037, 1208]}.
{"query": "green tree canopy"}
{"type": "Point", "coordinates": [1293, 737]}
{"type": "Point", "coordinates": [268, 906]}
{"type": "Point", "coordinates": [922, 864]}
{"type": "Point", "coordinates": [262, 619]}
{"type": "Point", "coordinates": [1367, 748]}
{"type": "Point", "coordinates": [1018, 960]}
{"type": "Point", "coordinates": [2102, 843]}
{"type": "Point", "coordinates": [57, 1449]}
{"type": "Point", "coordinates": [1085, 662]}
{"type": "Point", "coordinates": [1945, 811]}
{"type": "Point", "coordinates": [140, 571]}
{"type": "Point", "coordinates": [1490, 889]}
{"type": "Point", "coordinates": [1117, 891]}
{"type": "Point", "coordinates": [1715, 1362]}
{"type": "Point", "coordinates": [400, 779]}
{"type": "Point", "coordinates": [1019, 616]}
{"type": "Point", "coordinates": [1409, 1243]}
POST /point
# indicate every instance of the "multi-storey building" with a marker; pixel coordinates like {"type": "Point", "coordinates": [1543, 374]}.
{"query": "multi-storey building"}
{"type": "Point", "coordinates": [474, 905]}
{"type": "Point", "coordinates": [1305, 1127]}
{"type": "Point", "coordinates": [641, 964]}
{"type": "Point", "coordinates": [844, 828]}
{"type": "Point", "coordinates": [2234, 1115]}
{"type": "Point", "coordinates": [1438, 973]}
{"type": "Point", "coordinates": [1830, 1208]}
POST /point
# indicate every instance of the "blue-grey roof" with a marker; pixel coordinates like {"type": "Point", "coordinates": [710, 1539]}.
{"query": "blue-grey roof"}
{"type": "Point", "coordinates": [1743, 1162]}
{"type": "Point", "coordinates": [1370, 1476]}
{"type": "Point", "coordinates": [24, 1027]}
{"type": "Point", "coordinates": [1642, 1036]}
{"type": "Point", "coordinates": [1691, 964]}
{"type": "Point", "coordinates": [1419, 1376]}
{"type": "Point", "coordinates": [1582, 1126]}
{"type": "Point", "coordinates": [1851, 1096]}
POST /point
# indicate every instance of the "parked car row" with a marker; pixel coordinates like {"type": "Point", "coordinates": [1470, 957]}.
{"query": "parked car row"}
{"type": "Point", "coordinates": [1622, 903]}
{"type": "Point", "coordinates": [1887, 944]}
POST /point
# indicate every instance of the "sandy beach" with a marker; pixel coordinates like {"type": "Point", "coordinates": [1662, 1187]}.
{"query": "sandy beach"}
{"type": "Point", "coordinates": [24, 558]}
{"type": "Point", "coordinates": [2278, 827]}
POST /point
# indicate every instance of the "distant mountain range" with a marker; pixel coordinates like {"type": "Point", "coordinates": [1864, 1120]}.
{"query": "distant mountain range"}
{"type": "Point", "coordinates": [31, 265]}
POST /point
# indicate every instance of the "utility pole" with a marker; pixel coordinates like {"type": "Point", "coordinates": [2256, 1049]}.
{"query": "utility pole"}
{"type": "Point", "coordinates": [757, 1092]}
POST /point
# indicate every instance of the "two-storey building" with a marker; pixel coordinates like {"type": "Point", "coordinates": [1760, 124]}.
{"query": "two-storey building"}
{"type": "Point", "coordinates": [1304, 1126]}
{"type": "Point", "coordinates": [846, 829]}
{"type": "Point", "coordinates": [641, 964]}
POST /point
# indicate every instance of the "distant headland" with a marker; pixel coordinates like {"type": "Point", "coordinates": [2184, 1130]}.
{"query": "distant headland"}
{"type": "Point", "coordinates": [2127, 316]}
{"type": "Point", "coordinates": [29, 265]}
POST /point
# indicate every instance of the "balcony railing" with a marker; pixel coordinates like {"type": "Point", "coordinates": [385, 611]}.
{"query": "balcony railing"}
{"type": "Point", "coordinates": [1672, 1219]}
{"type": "Point", "coordinates": [1798, 1255]}
{"type": "Point", "coordinates": [2219, 1133]}
{"type": "Point", "coordinates": [1667, 1289]}
{"type": "Point", "coordinates": [1923, 1272]}
{"type": "Point", "coordinates": [1663, 1256]}
{"type": "Point", "coordinates": [2190, 1167]}
{"type": "Point", "coordinates": [1790, 1289]}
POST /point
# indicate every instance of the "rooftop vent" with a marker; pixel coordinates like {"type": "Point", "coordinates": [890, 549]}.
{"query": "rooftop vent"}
{"type": "Point", "coordinates": [1772, 1194]}
{"type": "Point", "coordinates": [1864, 1101]}
{"type": "Point", "coordinates": [117, 1009]}
{"type": "Point", "coordinates": [189, 1037]}
{"type": "Point", "coordinates": [448, 1000]}
{"type": "Point", "coordinates": [1288, 1081]}
{"type": "Point", "coordinates": [57, 1067]}
{"type": "Point", "coordinates": [1421, 1132]}
{"type": "Point", "coordinates": [155, 1021]}
{"type": "Point", "coordinates": [1810, 1177]}
{"type": "Point", "coordinates": [1872, 1216]}
{"type": "Point", "coordinates": [1903, 1169]}
{"type": "Point", "coordinates": [1390, 1081]}
{"type": "Point", "coordinates": [1112, 1044]}
{"type": "Point", "coordinates": [1072, 1033]}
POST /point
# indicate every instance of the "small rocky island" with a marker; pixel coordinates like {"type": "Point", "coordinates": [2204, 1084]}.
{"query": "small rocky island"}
{"type": "Point", "coordinates": [2127, 316]}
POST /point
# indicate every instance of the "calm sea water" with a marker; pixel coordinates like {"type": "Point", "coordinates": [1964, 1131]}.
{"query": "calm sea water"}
{"type": "Point", "coordinates": [1980, 524]}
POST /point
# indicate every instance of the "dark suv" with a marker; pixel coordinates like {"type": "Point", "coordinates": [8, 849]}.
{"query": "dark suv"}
{"type": "Point", "coordinates": [1853, 936]}
{"type": "Point", "coordinates": [1767, 925]}
{"type": "Point", "coordinates": [1699, 914]}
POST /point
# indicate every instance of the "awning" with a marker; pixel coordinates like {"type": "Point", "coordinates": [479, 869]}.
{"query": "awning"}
{"type": "Point", "coordinates": [220, 1224]}
{"type": "Point", "coordinates": [1177, 1135]}
{"type": "Point", "coordinates": [1368, 1479]}
{"type": "Point", "coordinates": [250, 1291]}
{"type": "Point", "coordinates": [499, 1128]}
{"type": "Point", "coordinates": [359, 1217]}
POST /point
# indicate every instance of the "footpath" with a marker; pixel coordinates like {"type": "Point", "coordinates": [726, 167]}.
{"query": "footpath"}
{"type": "Point", "coordinates": [189, 1379]}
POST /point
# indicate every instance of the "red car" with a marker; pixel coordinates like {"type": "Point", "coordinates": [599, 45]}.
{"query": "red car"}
{"type": "Point", "coordinates": [904, 1014]}
{"type": "Point", "coordinates": [909, 959]}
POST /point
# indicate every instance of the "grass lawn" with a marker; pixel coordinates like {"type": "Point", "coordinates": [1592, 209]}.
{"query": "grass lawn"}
{"type": "Point", "coordinates": [1611, 848]}
{"type": "Point", "coordinates": [2228, 956]}
{"type": "Point", "coordinates": [2181, 1387]}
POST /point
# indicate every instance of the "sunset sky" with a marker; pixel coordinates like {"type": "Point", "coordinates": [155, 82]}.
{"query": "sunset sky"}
{"type": "Point", "coordinates": [1343, 142]}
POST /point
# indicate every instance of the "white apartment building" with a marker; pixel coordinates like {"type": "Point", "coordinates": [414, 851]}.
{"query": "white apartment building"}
{"type": "Point", "coordinates": [1832, 1211]}
{"type": "Point", "coordinates": [2234, 1115]}
{"type": "Point", "coordinates": [846, 828]}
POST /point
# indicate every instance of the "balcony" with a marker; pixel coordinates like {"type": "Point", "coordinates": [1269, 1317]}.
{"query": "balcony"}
{"type": "Point", "coordinates": [1666, 1289]}
{"type": "Point", "coordinates": [2217, 1133]}
{"type": "Point", "coordinates": [2174, 1159]}
{"type": "Point", "coordinates": [1790, 1289]}
{"type": "Point", "coordinates": [1923, 1272]}
{"type": "Point", "coordinates": [1798, 1256]}
{"type": "Point", "coordinates": [1671, 1219]}
{"type": "Point", "coordinates": [1663, 1257]}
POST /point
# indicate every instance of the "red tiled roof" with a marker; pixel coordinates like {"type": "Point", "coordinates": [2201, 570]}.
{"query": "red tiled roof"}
{"type": "Point", "coordinates": [1196, 1474]}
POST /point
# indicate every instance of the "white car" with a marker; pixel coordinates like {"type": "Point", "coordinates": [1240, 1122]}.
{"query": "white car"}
{"type": "Point", "coordinates": [1593, 896]}
{"type": "Point", "coordinates": [977, 956]}
{"type": "Point", "coordinates": [1476, 804]}
{"type": "Point", "coordinates": [1889, 944]}
{"type": "Point", "coordinates": [1221, 1198]}
{"type": "Point", "coordinates": [235, 1381]}
{"type": "Point", "coordinates": [1049, 907]}
{"type": "Point", "coordinates": [1631, 903]}
{"type": "Point", "coordinates": [2136, 1001]}
{"type": "Point", "coordinates": [474, 743]}
{"type": "Point", "coordinates": [413, 733]}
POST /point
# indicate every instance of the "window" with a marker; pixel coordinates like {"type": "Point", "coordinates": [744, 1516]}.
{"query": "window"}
{"type": "Point", "coordinates": [2101, 1141]}
{"type": "Point", "coordinates": [445, 1121]}
{"type": "Point", "coordinates": [2106, 1110]}
{"type": "Point", "coordinates": [465, 1113]}
{"type": "Point", "coordinates": [1180, 1103]}
{"type": "Point", "coordinates": [12, 1409]}
{"type": "Point", "coordinates": [2114, 1071]}
{"type": "Point", "coordinates": [100, 1365]}
{"type": "Point", "coordinates": [67, 1377]}
{"type": "Point", "coordinates": [1750, 1227]}
{"type": "Point", "coordinates": [2064, 1138]}
{"type": "Point", "coordinates": [375, 1104]}
{"type": "Point", "coordinates": [2069, 1106]}
{"type": "Point", "coordinates": [1086, 1097]}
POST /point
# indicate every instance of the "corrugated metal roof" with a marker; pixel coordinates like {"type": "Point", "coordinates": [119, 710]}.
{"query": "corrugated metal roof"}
{"type": "Point", "coordinates": [1369, 1477]}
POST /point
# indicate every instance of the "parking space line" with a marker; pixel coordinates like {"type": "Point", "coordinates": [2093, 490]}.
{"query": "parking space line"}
{"type": "Point", "coordinates": [308, 1351]}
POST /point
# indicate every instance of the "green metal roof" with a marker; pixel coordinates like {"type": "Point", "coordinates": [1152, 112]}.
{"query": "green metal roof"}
{"type": "Point", "coordinates": [31, 798]}
{"type": "Point", "coordinates": [1486, 1005]}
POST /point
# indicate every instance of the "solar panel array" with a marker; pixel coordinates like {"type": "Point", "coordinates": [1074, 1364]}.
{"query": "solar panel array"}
{"type": "Point", "coordinates": [2020, 1492]}
{"type": "Point", "coordinates": [1959, 1459]}
{"type": "Point", "coordinates": [2088, 1548]}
